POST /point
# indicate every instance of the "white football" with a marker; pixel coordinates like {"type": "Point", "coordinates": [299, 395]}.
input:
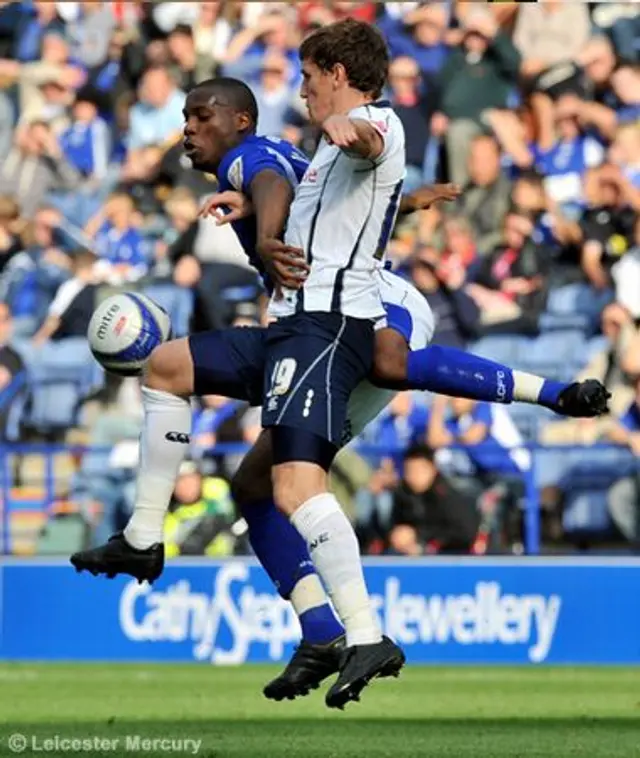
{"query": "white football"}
{"type": "Point", "coordinates": [124, 330]}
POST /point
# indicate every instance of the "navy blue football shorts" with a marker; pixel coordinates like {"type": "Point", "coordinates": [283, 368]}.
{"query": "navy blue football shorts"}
{"type": "Point", "coordinates": [314, 361]}
{"type": "Point", "coordinates": [230, 362]}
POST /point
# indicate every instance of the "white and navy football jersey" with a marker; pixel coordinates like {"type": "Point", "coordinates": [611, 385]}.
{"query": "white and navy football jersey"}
{"type": "Point", "coordinates": [342, 217]}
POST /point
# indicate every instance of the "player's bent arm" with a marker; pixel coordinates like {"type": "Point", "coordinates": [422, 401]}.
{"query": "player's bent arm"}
{"type": "Point", "coordinates": [355, 136]}
{"type": "Point", "coordinates": [271, 195]}
{"type": "Point", "coordinates": [369, 143]}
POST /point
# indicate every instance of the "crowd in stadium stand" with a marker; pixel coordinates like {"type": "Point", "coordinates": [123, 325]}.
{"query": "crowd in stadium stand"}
{"type": "Point", "coordinates": [534, 108]}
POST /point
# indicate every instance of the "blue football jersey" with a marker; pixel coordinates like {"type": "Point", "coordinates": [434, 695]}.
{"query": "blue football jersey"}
{"type": "Point", "coordinates": [238, 169]}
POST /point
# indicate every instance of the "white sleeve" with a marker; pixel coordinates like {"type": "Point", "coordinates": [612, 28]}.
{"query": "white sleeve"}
{"type": "Point", "coordinates": [65, 295]}
{"type": "Point", "coordinates": [385, 122]}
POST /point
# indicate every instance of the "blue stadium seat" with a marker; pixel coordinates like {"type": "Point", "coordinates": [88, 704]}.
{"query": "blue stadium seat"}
{"type": "Point", "coordinates": [61, 375]}
{"type": "Point", "coordinates": [550, 322]}
{"type": "Point", "coordinates": [554, 354]}
{"type": "Point", "coordinates": [503, 349]}
{"type": "Point", "coordinates": [177, 302]}
{"type": "Point", "coordinates": [586, 512]}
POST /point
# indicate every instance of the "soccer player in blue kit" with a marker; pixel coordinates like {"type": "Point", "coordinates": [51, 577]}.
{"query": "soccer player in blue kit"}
{"type": "Point", "coordinates": [303, 345]}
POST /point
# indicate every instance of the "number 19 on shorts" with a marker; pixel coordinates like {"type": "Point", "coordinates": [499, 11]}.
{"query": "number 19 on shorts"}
{"type": "Point", "coordinates": [282, 376]}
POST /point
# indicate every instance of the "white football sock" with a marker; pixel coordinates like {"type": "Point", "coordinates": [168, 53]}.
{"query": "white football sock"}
{"type": "Point", "coordinates": [335, 553]}
{"type": "Point", "coordinates": [163, 447]}
{"type": "Point", "coordinates": [526, 387]}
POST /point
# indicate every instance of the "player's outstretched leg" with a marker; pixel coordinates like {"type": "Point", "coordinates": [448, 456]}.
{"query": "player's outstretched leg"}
{"type": "Point", "coordinates": [285, 557]}
{"type": "Point", "coordinates": [139, 550]}
{"type": "Point", "coordinates": [450, 371]}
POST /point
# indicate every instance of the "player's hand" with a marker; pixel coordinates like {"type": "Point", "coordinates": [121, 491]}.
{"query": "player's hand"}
{"type": "Point", "coordinates": [285, 264]}
{"type": "Point", "coordinates": [425, 197]}
{"type": "Point", "coordinates": [340, 131]}
{"type": "Point", "coordinates": [238, 205]}
{"type": "Point", "coordinates": [583, 400]}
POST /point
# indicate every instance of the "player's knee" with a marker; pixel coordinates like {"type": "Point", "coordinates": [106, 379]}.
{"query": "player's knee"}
{"type": "Point", "coordinates": [390, 360]}
{"type": "Point", "coordinates": [247, 488]}
{"type": "Point", "coordinates": [170, 368]}
{"type": "Point", "coordinates": [295, 483]}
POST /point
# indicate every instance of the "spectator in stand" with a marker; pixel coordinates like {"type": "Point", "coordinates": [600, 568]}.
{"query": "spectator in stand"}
{"type": "Point", "coordinates": [73, 304]}
{"type": "Point", "coordinates": [510, 284]}
{"type": "Point", "coordinates": [401, 424]}
{"type": "Point", "coordinates": [10, 227]}
{"type": "Point", "coordinates": [86, 144]}
{"type": "Point", "coordinates": [429, 515]}
{"type": "Point", "coordinates": [45, 86]}
{"type": "Point", "coordinates": [90, 33]}
{"type": "Point", "coordinates": [118, 242]}
{"type": "Point", "coordinates": [273, 94]}
{"type": "Point", "coordinates": [625, 82]}
{"type": "Point", "coordinates": [479, 75]}
{"type": "Point", "coordinates": [625, 152]}
{"type": "Point", "coordinates": [495, 449]}
{"type": "Point", "coordinates": [487, 195]}
{"type": "Point", "coordinates": [459, 250]}
{"type": "Point", "coordinates": [606, 227]}
{"type": "Point", "coordinates": [32, 276]}
{"type": "Point", "coordinates": [598, 60]}
{"type": "Point", "coordinates": [190, 66]}
{"type": "Point", "coordinates": [181, 209]}
{"type": "Point", "coordinates": [564, 157]}
{"type": "Point", "coordinates": [606, 366]}
{"type": "Point", "coordinates": [550, 36]}
{"type": "Point", "coordinates": [419, 35]}
{"type": "Point", "coordinates": [32, 26]}
{"type": "Point", "coordinates": [456, 314]}
{"type": "Point", "coordinates": [275, 32]}
{"type": "Point", "coordinates": [412, 108]}
{"type": "Point", "coordinates": [112, 77]}
{"type": "Point", "coordinates": [200, 515]}
{"type": "Point", "coordinates": [624, 495]}
{"type": "Point", "coordinates": [550, 33]}
{"type": "Point", "coordinates": [157, 118]}
{"type": "Point", "coordinates": [35, 167]}
{"type": "Point", "coordinates": [12, 374]}
{"type": "Point", "coordinates": [626, 276]}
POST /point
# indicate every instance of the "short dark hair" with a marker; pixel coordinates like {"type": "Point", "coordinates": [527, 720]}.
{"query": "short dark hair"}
{"type": "Point", "coordinates": [234, 92]}
{"type": "Point", "coordinates": [419, 451]}
{"type": "Point", "coordinates": [358, 46]}
{"type": "Point", "coordinates": [182, 30]}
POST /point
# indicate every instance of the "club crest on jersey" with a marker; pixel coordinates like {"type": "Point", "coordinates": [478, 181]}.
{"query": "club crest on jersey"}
{"type": "Point", "coordinates": [310, 176]}
{"type": "Point", "coordinates": [235, 174]}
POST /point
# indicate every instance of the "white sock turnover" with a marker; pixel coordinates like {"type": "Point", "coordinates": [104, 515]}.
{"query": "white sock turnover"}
{"type": "Point", "coordinates": [335, 553]}
{"type": "Point", "coordinates": [164, 443]}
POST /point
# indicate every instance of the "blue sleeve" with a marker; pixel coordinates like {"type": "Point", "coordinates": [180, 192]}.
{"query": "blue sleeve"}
{"type": "Point", "coordinates": [481, 414]}
{"type": "Point", "coordinates": [244, 169]}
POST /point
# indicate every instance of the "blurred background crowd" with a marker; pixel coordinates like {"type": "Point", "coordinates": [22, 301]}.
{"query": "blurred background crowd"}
{"type": "Point", "coordinates": [534, 108]}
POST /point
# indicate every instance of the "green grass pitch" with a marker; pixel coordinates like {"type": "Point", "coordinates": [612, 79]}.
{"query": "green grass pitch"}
{"type": "Point", "coordinates": [429, 712]}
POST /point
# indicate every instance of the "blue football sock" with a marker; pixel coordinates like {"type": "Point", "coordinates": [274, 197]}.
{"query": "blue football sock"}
{"type": "Point", "coordinates": [550, 393]}
{"type": "Point", "coordinates": [285, 557]}
{"type": "Point", "coordinates": [449, 371]}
